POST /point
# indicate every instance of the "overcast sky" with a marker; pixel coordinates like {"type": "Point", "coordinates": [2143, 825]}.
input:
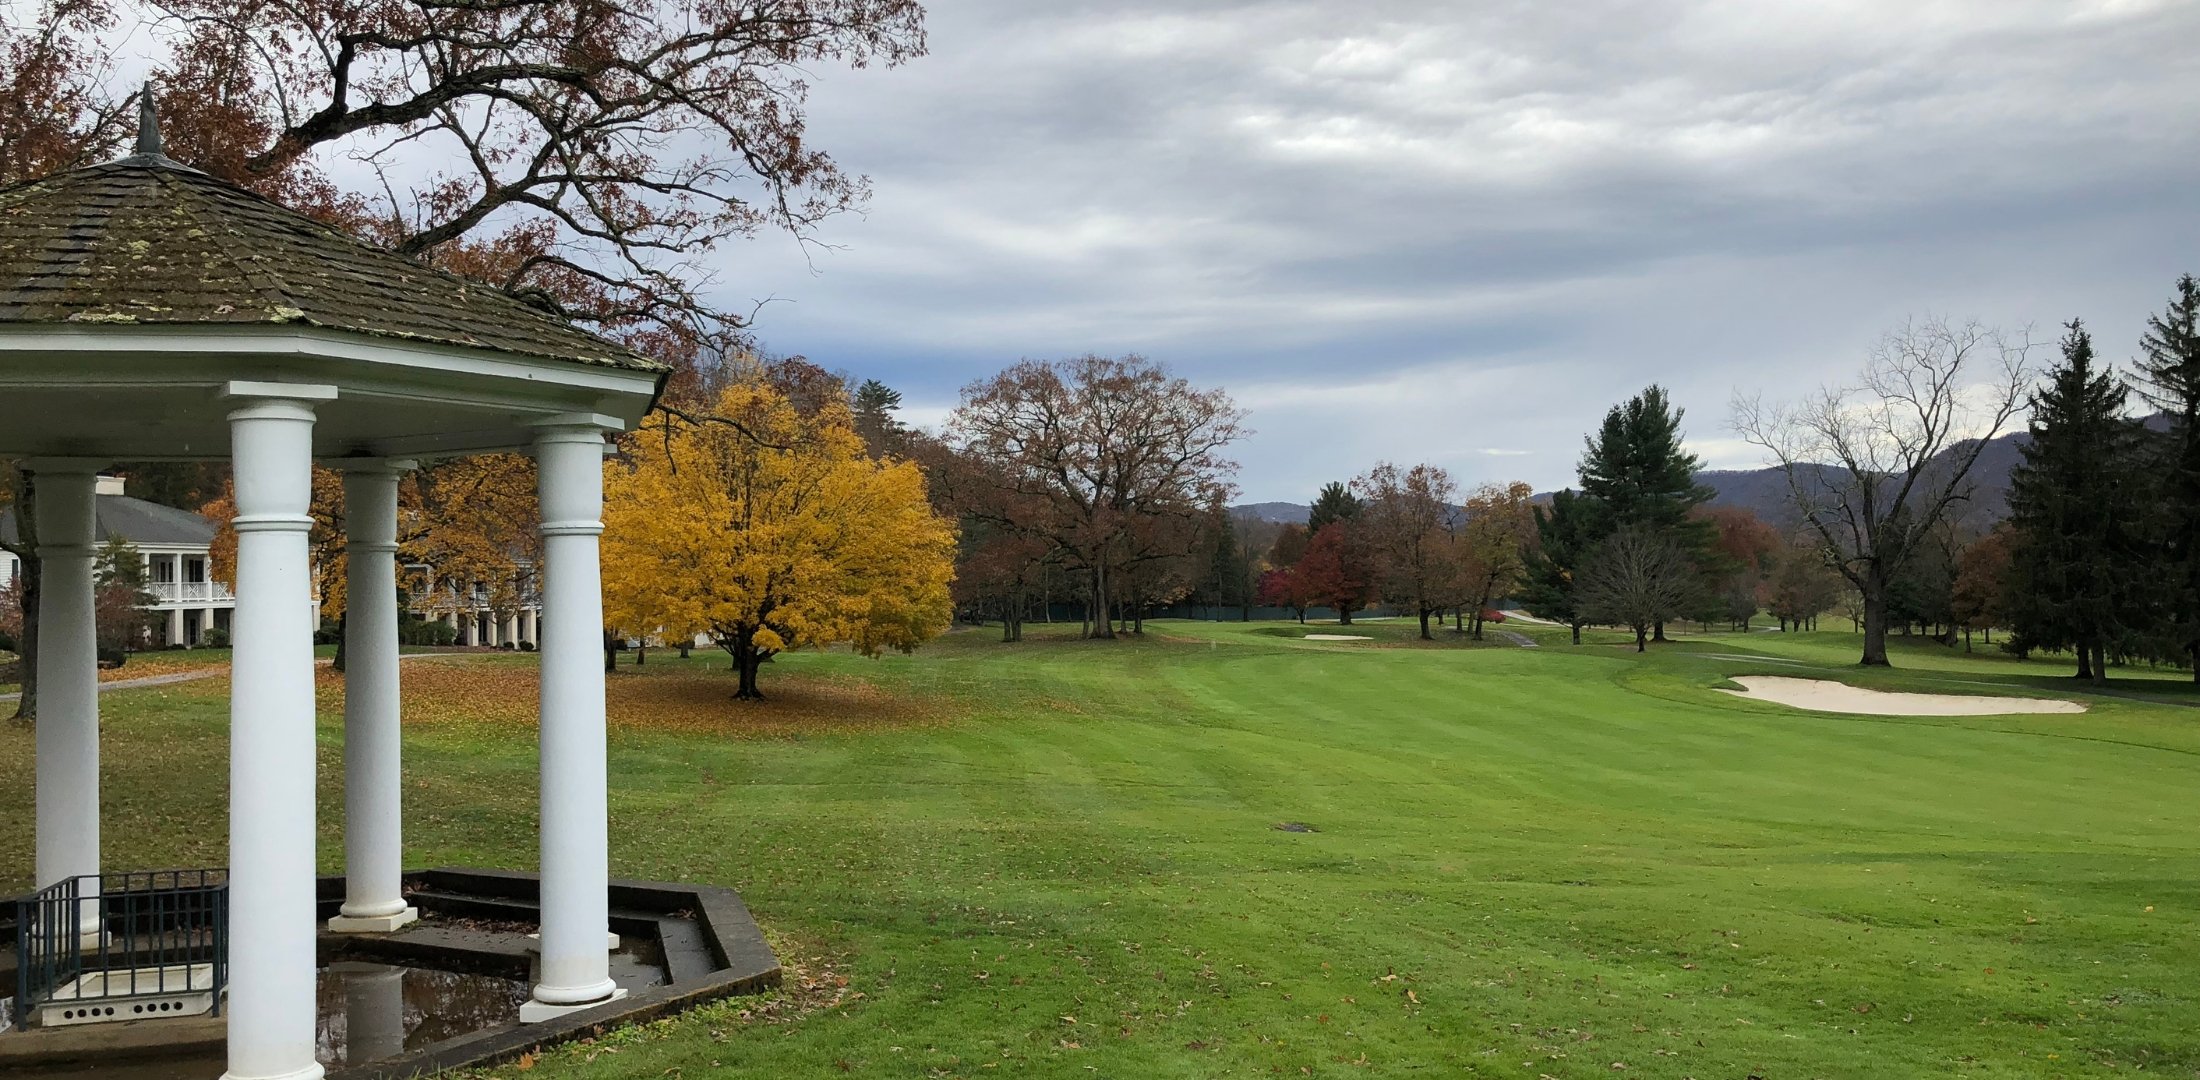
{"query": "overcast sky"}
{"type": "Point", "coordinates": [1457, 232]}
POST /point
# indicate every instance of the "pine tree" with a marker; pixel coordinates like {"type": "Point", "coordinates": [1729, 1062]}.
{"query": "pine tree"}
{"type": "Point", "coordinates": [1335, 503]}
{"type": "Point", "coordinates": [2078, 503]}
{"type": "Point", "coordinates": [2169, 379]}
{"type": "Point", "coordinates": [1566, 531]}
{"type": "Point", "coordinates": [1228, 581]}
{"type": "Point", "coordinates": [1637, 470]}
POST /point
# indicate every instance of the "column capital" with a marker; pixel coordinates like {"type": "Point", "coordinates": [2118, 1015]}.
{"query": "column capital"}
{"type": "Point", "coordinates": [574, 424]}
{"type": "Point", "coordinates": [308, 393]}
{"type": "Point", "coordinates": [275, 401]}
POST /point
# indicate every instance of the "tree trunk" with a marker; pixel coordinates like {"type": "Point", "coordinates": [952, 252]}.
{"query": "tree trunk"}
{"type": "Point", "coordinates": [610, 652]}
{"type": "Point", "coordinates": [1102, 626]}
{"type": "Point", "coordinates": [641, 651]}
{"type": "Point", "coordinates": [1658, 630]}
{"type": "Point", "coordinates": [746, 660]}
{"type": "Point", "coordinates": [1875, 621]}
{"type": "Point", "coordinates": [1344, 616]}
{"type": "Point", "coordinates": [2085, 661]}
{"type": "Point", "coordinates": [342, 621]}
{"type": "Point", "coordinates": [1424, 626]}
{"type": "Point", "coordinates": [2100, 663]}
{"type": "Point", "coordinates": [1577, 633]}
{"type": "Point", "coordinates": [1641, 645]}
{"type": "Point", "coordinates": [684, 646]}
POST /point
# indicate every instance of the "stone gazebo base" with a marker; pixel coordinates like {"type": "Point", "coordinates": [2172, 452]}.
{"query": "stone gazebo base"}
{"type": "Point", "coordinates": [684, 945]}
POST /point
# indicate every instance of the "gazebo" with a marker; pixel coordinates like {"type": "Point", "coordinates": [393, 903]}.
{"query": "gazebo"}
{"type": "Point", "coordinates": [148, 312]}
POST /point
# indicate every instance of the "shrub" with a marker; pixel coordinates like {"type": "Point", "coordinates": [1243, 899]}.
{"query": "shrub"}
{"type": "Point", "coordinates": [213, 637]}
{"type": "Point", "coordinates": [111, 657]}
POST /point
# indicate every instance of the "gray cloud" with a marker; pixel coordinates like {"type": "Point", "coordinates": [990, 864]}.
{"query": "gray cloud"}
{"type": "Point", "coordinates": [1420, 231]}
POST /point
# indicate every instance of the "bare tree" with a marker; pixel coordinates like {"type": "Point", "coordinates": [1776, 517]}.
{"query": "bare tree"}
{"type": "Point", "coordinates": [1637, 579]}
{"type": "Point", "coordinates": [1873, 468]}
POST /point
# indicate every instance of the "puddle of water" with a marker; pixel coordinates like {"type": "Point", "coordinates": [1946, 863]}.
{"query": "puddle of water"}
{"type": "Point", "coordinates": [367, 1012]}
{"type": "Point", "coordinates": [373, 1011]}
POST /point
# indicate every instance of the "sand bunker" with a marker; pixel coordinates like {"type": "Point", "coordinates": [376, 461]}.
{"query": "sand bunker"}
{"type": "Point", "coordinates": [1336, 637]}
{"type": "Point", "coordinates": [1825, 695]}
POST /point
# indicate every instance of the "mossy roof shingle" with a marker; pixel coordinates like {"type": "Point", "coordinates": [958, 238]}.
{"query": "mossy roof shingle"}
{"type": "Point", "coordinates": [146, 241]}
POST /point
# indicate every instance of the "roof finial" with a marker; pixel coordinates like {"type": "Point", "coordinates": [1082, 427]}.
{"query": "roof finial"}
{"type": "Point", "coordinates": [148, 141]}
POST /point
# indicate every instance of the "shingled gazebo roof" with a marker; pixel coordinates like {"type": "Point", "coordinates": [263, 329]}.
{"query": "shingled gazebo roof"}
{"type": "Point", "coordinates": [147, 241]}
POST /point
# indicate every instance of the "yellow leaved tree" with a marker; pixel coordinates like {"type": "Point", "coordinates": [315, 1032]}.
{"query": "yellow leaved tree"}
{"type": "Point", "coordinates": [769, 529]}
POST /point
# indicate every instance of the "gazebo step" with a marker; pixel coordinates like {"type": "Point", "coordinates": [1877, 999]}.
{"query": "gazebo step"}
{"type": "Point", "coordinates": [470, 906]}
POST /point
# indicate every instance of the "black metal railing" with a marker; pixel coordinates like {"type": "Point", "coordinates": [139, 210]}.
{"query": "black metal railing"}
{"type": "Point", "coordinates": [101, 940]}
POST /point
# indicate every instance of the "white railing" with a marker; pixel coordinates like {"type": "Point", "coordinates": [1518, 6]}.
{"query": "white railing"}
{"type": "Point", "coordinates": [183, 592]}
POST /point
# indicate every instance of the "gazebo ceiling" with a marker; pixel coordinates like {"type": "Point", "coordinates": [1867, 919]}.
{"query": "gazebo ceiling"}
{"type": "Point", "coordinates": [132, 292]}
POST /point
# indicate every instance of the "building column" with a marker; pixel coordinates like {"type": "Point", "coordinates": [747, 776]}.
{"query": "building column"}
{"type": "Point", "coordinates": [67, 739]}
{"type": "Point", "coordinates": [575, 966]}
{"type": "Point", "coordinates": [271, 743]}
{"type": "Point", "coordinates": [374, 900]}
{"type": "Point", "coordinates": [175, 625]}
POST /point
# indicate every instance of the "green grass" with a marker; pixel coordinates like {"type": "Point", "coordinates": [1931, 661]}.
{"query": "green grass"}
{"type": "Point", "coordinates": [1058, 859]}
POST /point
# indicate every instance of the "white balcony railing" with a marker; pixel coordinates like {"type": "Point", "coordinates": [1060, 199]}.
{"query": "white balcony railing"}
{"type": "Point", "coordinates": [182, 592]}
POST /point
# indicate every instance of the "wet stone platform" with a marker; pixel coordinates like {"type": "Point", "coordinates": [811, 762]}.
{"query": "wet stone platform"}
{"type": "Point", "coordinates": [445, 992]}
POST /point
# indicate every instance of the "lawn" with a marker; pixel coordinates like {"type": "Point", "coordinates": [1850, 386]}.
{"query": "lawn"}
{"type": "Point", "coordinates": [1061, 859]}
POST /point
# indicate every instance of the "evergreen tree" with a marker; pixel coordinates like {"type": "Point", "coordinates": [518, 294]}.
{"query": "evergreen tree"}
{"type": "Point", "coordinates": [1228, 581]}
{"type": "Point", "coordinates": [1636, 469]}
{"type": "Point", "coordinates": [2169, 379]}
{"type": "Point", "coordinates": [1636, 466]}
{"type": "Point", "coordinates": [1335, 503]}
{"type": "Point", "coordinates": [2078, 502]}
{"type": "Point", "coordinates": [874, 404]}
{"type": "Point", "coordinates": [1565, 532]}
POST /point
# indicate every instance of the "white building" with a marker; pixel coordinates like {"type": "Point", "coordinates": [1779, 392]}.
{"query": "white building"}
{"type": "Point", "coordinates": [174, 545]}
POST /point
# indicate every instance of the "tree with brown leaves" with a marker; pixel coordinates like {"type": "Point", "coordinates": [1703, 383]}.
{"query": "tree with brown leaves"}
{"type": "Point", "coordinates": [1091, 453]}
{"type": "Point", "coordinates": [1406, 518]}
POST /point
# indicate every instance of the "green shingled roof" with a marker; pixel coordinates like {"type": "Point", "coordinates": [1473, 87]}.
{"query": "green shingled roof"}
{"type": "Point", "coordinates": [146, 241]}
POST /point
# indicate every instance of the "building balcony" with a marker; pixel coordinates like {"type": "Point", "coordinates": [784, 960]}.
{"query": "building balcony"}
{"type": "Point", "coordinates": [191, 592]}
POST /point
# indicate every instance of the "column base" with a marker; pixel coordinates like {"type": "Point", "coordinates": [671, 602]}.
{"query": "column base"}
{"type": "Point", "coordinates": [374, 924]}
{"type": "Point", "coordinates": [535, 1012]}
{"type": "Point", "coordinates": [310, 1072]}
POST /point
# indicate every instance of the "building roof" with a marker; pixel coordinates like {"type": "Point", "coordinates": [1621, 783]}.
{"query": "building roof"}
{"type": "Point", "coordinates": [147, 524]}
{"type": "Point", "coordinates": [145, 240]}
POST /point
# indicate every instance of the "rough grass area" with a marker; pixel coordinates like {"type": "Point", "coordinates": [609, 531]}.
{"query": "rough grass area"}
{"type": "Point", "coordinates": [1062, 859]}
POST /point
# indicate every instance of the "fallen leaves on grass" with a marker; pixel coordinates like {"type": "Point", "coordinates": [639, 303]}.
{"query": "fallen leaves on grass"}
{"type": "Point", "coordinates": [148, 665]}
{"type": "Point", "coordinates": [501, 693]}
{"type": "Point", "coordinates": [795, 704]}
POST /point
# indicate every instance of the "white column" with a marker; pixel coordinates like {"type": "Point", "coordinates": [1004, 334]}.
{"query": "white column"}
{"type": "Point", "coordinates": [575, 971]}
{"type": "Point", "coordinates": [374, 900]}
{"type": "Point", "coordinates": [67, 770]}
{"type": "Point", "coordinates": [271, 743]}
